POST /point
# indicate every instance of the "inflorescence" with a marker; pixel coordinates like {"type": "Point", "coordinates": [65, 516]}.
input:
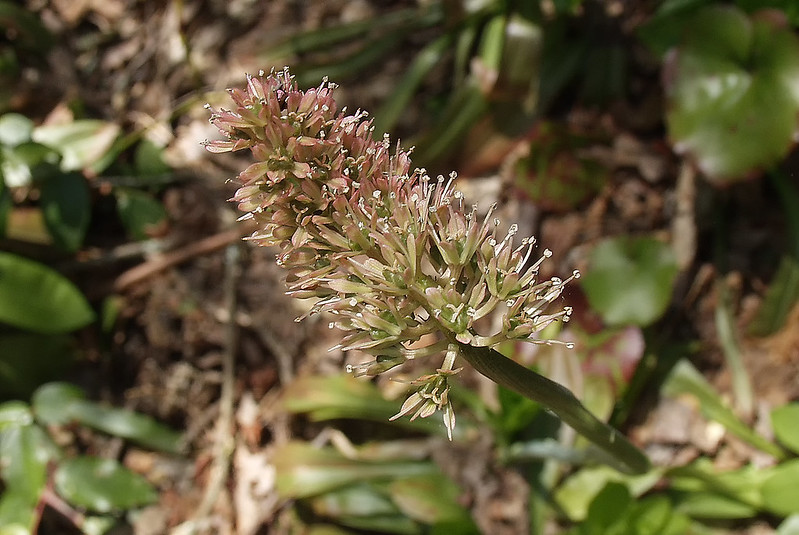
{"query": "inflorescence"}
{"type": "Point", "coordinates": [390, 254]}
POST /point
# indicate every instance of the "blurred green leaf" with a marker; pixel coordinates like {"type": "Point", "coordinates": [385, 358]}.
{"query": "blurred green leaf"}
{"type": "Point", "coordinates": [20, 165]}
{"type": "Point", "coordinates": [149, 159]}
{"type": "Point", "coordinates": [15, 129]}
{"type": "Point", "coordinates": [785, 421]}
{"type": "Point", "coordinates": [16, 513]}
{"type": "Point", "coordinates": [781, 296]}
{"type": "Point", "coordinates": [66, 207]}
{"type": "Point", "coordinates": [6, 203]}
{"type": "Point", "coordinates": [61, 403]}
{"type": "Point", "coordinates": [779, 491]}
{"type": "Point", "coordinates": [366, 507]}
{"type": "Point", "coordinates": [102, 485]}
{"type": "Point", "coordinates": [304, 470]}
{"type": "Point", "coordinates": [575, 494]}
{"type": "Point", "coordinates": [712, 506]}
{"type": "Point", "coordinates": [81, 143]}
{"type": "Point", "coordinates": [29, 360]}
{"type": "Point", "coordinates": [25, 451]}
{"type": "Point", "coordinates": [344, 396]}
{"type": "Point", "coordinates": [140, 213]}
{"type": "Point", "coordinates": [396, 104]}
{"type": "Point", "coordinates": [731, 89]}
{"type": "Point", "coordinates": [629, 280]}
{"type": "Point", "coordinates": [36, 298]}
{"type": "Point", "coordinates": [24, 27]}
{"type": "Point", "coordinates": [15, 414]}
{"type": "Point", "coordinates": [788, 7]}
{"type": "Point", "coordinates": [606, 508]}
{"type": "Point", "coordinates": [666, 27]}
{"type": "Point", "coordinates": [430, 499]}
{"type": "Point", "coordinates": [554, 174]}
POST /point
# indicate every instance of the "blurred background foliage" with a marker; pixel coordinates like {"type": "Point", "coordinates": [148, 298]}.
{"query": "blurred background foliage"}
{"type": "Point", "coordinates": [569, 108]}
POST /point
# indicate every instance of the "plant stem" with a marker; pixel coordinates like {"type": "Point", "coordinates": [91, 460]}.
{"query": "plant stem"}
{"type": "Point", "coordinates": [622, 454]}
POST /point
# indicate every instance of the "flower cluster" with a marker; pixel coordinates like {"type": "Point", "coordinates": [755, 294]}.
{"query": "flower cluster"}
{"type": "Point", "coordinates": [391, 254]}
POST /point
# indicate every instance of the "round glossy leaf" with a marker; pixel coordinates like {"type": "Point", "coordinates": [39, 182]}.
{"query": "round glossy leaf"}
{"type": "Point", "coordinates": [102, 485]}
{"type": "Point", "coordinates": [67, 209]}
{"type": "Point", "coordinates": [733, 92]}
{"type": "Point", "coordinates": [39, 299]}
{"type": "Point", "coordinates": [629, 280]}
{"type": "Point", "coordinates": [779, 491]}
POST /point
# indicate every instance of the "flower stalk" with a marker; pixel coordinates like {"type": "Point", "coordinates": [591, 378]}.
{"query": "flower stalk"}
{"type": "Point", "coordinates": [393, 256]}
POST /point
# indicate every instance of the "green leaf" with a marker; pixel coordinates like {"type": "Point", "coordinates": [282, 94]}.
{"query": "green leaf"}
{"type": "Point", "coordinates": [36, 298]}
{"type": "Point", "coordinates": [15, 414]}
{"type": "Point", "coordinates": [25, 451]}
{"type": "Point", "coordinates": [102, 485]}
{"type": "Point", "coordinates": [781, 296]}
{"type": "Point", "coordinates": [80, 143]}
{"type": "Point", "coordinates": [712, 506]}
{"type": "Point", "coordinates": [731, 90]}
{"type": "Point", "coordinates": [607, 507]}
{"type": "Point", "coordinates": [785, 421]}
{"type": "Point", "coordinates": [16, 513]}
{"type": "Point", "coordinates": [6, 202]}
{"type": "Point", "coordinates": [629, 280]}
{"type": "Point", "coordinates": [304, 470]}
{"type": "Point", "coordinates": [149, 159]}
{"type": "Point", "coordinates": [20, 165]}
{"type": "Point", "coordinates": [575, 495]}
{"type": "Point", "coordinates": [779, 491]}
{"type": "Point", "coordinates": [15, 129]}
{"type": "Point", "coordinates": [344, 396]}
{"type": "Point", "coordinates": [555, 174]}
{"type": "Point", "coordinates": [61, 403]}
{"type": "Point", "coordinates": [430, 499]}
{"type": "Point", "coordinates": [67, 209]}
{"type": "Point", "coordinates": [29, 360]}
{"type": "Point", "coordinates": [140, 212]}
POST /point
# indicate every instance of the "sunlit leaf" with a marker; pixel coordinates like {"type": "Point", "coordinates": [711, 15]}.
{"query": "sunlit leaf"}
{"type": "Point", "coordinates": [15, 129]}
{"type": "Point", "coordinates": [712, 506]}
{"type": "Point", "coordinates": [430, 499]}
{"type": "Point", "coordinates": [304, 470]}
{"type": "Point", "coordinates": [60, 403]}
{"type": "Point", "coordinates": [36, 298]}
{"type": "Point", "coordinates": [141, 213]}
{"type": "Point", "coordinates": [629, 280]}
{"type": "Point", "coordinates": [102, 485]}
{"type": "Point", "coordinates": [17, 513]}
{"type": "Point", "coordinates": [15, 414]}
{"type": "Point", "coordinates": [25, 451]}
{"type": "Point", "coordinates": [733, 92]}
{"type": "Point", "coordinates": [785, 421]}
{"type": "Point", "coordinates": [81, 143]}
{"type": "Point", "coordinates": [790, 526]}
{"type": "Point", "coordinates": [344, 396]}
{"type": "Point", "coordinates": [67, 209]}
{"type": "Point", "coordinates": [779, 490]}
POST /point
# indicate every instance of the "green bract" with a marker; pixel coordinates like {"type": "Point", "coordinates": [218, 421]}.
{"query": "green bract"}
{"type": "Point", "coordinates": [733, 92]}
